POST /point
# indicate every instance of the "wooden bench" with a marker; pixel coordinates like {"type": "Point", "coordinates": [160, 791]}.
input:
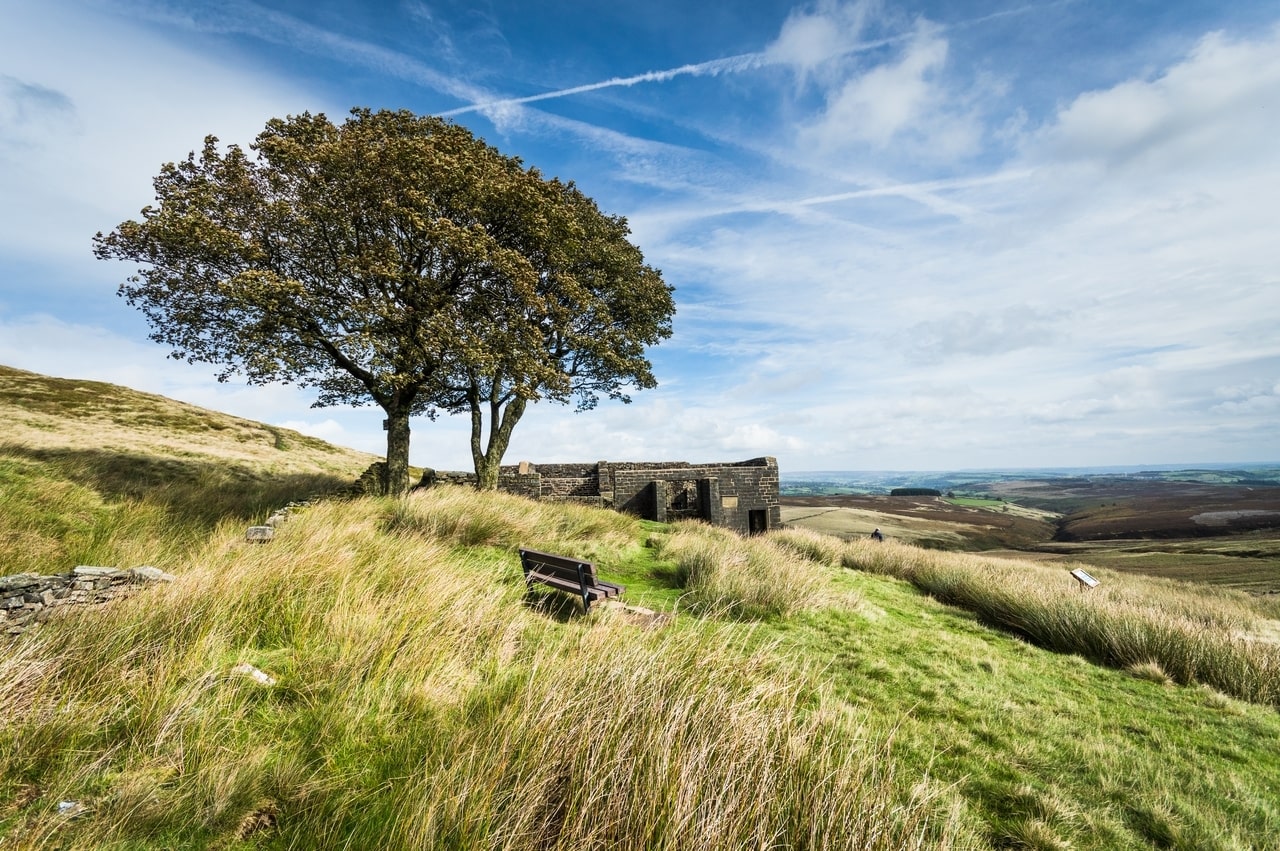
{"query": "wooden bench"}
{"type": "Point", "coordinates": [567, 574]}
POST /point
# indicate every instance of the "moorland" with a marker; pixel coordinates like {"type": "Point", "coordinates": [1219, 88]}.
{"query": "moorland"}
{"type": "Point", "coordinates": [1216, 525]}
{"type": "Point", "coordinates": [789, 690]}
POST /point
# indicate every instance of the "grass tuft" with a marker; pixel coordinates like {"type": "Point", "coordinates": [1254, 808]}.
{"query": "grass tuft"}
{"type": "Point", "coordinates": [749, 579]}
{"type": "Point", "coordinates": [1193, 634]}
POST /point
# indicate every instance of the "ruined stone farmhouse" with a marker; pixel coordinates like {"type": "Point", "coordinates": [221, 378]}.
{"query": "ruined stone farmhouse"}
{"type": "Point", "coordinates": [742, 496]}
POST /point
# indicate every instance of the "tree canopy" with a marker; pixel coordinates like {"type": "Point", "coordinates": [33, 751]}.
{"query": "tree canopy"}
{"type": "Point", "coordinates": [398, 260]}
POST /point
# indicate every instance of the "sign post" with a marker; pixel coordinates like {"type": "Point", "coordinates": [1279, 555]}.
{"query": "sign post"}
{"type": "Point", "coordinates": [1086, 581]}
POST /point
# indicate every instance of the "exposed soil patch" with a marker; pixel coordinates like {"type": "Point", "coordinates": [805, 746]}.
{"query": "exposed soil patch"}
{"type": "Point", "coordinates": [1226, 518]}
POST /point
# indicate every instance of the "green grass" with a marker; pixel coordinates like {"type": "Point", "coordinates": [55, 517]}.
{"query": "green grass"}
{"type": "Point", "coordinates": [423, 700]}
{"type": "Point", "coordinates": [977, 502]}
{"type": "Point", "coordinates": [1047, 750]}
{"type": "Point", "coordinates": [787, 691]}
{"type": "Point", "coordinates": [60, 508]}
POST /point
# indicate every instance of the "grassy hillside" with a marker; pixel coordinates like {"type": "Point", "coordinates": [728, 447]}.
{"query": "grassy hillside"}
{"type": "Point", "coordinates": [94, 473]}
{"type": "Point", "coordinates": [785, 691]}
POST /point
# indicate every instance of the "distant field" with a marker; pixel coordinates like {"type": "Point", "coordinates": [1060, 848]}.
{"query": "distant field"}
{"type": "Point", "coordinates": [927, 521]}
{"type": "Point", "coordinates": [1193, 525]}
{"type": "Point", "coordinates": [977, 502]}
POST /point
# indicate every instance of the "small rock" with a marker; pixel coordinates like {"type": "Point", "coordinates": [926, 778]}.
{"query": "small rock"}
{"type": "Point", "coordinates": [259, 534]}
{"type": "Point", "coordinates": [90, 570]}
{"type": "Point", "coordinates": [71, 809]}
{"type": "Point", "coordinates": [152, 574]}
{"type": "Point", "coordinates": [254, 674]}
{"type": "Point", "coordinates": [18, 582]}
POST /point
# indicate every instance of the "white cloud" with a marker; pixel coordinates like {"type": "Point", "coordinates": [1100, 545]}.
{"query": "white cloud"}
{"type": "Point", "coordinates": [812, 37]}
{"type": "Point", "coordinates": [31, 113]}
{"type": "Point", "coordinates": [87, 90]}
{"type": "Point", "coordinates": [965, 333]}
{"type": "Point", "coordinates": [888, 100]}
{"type": "Point", "coordinates": [1219, 107]}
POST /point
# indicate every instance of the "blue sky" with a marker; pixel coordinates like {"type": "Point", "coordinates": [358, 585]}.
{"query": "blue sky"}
{"type": "Point", "coordinates": [903, 235]}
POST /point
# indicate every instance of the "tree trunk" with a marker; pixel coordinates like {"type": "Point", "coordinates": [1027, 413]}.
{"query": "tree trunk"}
{"type": "Point", "coordinates": [397, 452]}
{"type": "Point", "coordinates": [501, 423]}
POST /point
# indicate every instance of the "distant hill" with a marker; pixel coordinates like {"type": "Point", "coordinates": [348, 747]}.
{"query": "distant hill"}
{"type": "Point", "coordinates": [53, 415]}
{"type": "Point", "coordinates": [1217, 524]}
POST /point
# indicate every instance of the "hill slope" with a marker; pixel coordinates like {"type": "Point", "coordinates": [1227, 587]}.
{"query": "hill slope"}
{"type": "Point", "coordinates": [80, 458]}
{"type": "Point", "coordinates": [48, 414]}
{"type": "Point", "coordinates": [789, 690]}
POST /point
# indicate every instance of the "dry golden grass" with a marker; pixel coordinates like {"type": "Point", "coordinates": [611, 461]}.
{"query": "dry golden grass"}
{"type": "Point", "coordinates": [753, 578]}
{"type": "Point", "coordinates": [419, 701]}
{"type": "Point", "coordinates": [45, 415]}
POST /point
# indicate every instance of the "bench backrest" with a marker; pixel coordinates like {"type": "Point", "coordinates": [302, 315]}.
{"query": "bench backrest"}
{"type": "Point", "coordinates": [562, 567]}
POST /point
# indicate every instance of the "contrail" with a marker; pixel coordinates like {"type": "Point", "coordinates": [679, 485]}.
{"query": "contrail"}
{"type": "Point", "coordinates": [729, 64]}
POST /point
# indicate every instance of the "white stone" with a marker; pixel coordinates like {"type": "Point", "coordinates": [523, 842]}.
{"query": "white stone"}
{"type": "Point", "coordinates": [89, 570]}
{"type": "Point", "coordinates": [152, 574]}
{"type": "Point", "coordinates": [254, 674]}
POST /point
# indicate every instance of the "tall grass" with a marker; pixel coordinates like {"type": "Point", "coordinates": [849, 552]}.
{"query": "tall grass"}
{"type": "Point", "coordinates": [1194, 634]}
{"type": "Point", "coordinates": [748, 579]}
{"type": "Point", "coordinates": [100, 510]}
{"type": "Point", "coordinates": [418, 702]}
{"type": "Point", "coordinates": [464, 517]}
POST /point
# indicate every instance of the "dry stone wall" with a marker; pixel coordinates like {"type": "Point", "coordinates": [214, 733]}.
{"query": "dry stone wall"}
{"type": "Point", "coordinates": [29, 598]}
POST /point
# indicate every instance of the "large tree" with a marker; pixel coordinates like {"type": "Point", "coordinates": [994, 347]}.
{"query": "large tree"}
{"type": "Point", "coordinates": [375, 261]}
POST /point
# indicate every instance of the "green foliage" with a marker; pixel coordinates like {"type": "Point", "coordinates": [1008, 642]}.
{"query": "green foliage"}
{"type": "Point", "coordinates": [393, 259]}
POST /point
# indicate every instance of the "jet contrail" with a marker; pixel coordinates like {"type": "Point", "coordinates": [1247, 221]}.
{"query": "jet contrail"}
{"type": "Point", "coordinates": [741, 62]}
{"type": "Point", "coordinates": [729, 64]}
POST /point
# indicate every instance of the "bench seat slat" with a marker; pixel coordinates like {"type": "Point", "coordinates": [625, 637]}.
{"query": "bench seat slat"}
{"type": "Point", "coordinates": [566, 584]}
{"type": "Point", "coordinates": [596, 592]}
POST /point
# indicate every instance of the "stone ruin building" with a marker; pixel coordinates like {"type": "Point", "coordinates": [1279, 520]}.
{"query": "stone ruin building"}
{"type": "Point", "coordinates": [742, 496]}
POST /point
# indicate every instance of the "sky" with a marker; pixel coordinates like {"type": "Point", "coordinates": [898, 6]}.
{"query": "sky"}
{"type": "Point", "coordinates": [915, 235]}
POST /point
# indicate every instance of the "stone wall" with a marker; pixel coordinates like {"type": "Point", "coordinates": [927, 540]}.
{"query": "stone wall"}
{"type": "Point", "coordinates": [29, 598]}
{"type": "Point", "coordinates": [741, 495]}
